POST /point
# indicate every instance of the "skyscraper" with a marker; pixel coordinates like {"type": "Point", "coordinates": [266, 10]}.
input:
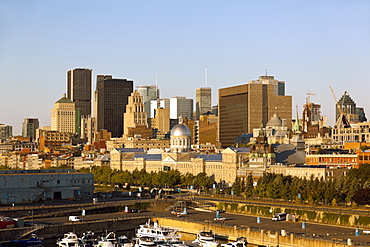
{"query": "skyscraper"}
{"type": "Point", "coordinates": [203, 101]}
{"type": "Point", "coordinates": [148, 93]}
{"type": "Point", "coordinates": [181, 107]}
{"type": "Point", "coordinates": [135, 114]}
{"type": "Point", "coordinates": [111, 98]}
{"type": "Point", "coordinates": [348, 107]}
{"type": "Point", "coordinates": [29, 127]}
{"type": "Point", "coordinates": [242, 108]}
{"type": "Point", "coordinates": [79, 84]}
{"type": "Point", "coordinates": [6, 131]}
{"type": "Point", "coordinates": [63, 116]}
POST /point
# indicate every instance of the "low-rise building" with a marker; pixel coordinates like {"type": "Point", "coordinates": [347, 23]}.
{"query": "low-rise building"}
{"type": "Point", "coordinates": [22, 186]}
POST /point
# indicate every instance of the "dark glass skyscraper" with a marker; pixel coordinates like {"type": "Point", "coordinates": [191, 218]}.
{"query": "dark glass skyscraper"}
{"type": "Point", "coordinates": [79, 84]}
{"type": "Point", "coordinates": [111, 98]}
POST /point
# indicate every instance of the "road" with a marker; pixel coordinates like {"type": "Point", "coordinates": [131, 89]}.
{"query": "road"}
{"type": "Point", "coordinates": [332, 233]}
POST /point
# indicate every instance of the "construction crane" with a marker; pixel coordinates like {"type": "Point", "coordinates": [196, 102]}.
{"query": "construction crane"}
{"type": "Point", "coordinates": [342, 119]}
{"type": "Point", "coordinates": [309, 97]}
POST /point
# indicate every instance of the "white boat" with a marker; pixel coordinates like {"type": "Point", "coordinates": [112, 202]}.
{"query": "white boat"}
{"type": "Point", "coordinates": [170, 243]}
{"type": "Point", "coordinates": [157, 232]}
{"type": "Point", "coordinates": [69, 240]}
{"type": "Point", "coordinates": [123, 241]}
{"type": "Point", "coordinates": [240, 242]}
{"type": "Point", "coordinates": [88, 239]}
{"type": "Point", "coordinates": [145, 242]}
{"type": "Point", "coordinates": [206, 239]}
{"type": "Point", "coordinates": [105, 243]}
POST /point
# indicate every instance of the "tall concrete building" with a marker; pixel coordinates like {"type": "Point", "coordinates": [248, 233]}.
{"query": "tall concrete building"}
{"type": "Point", "coordinates": [181, 107]}
{"type": "Point", "coordinates": [63, 116]}
{"type": "Point", "coordinates": [161, 121]}
{"type": "Point", "coordinates": [203, 101]}
{"type": "Point", "coordinates": [135, 114]}
{"type": "Point", "coordinates": [242, 108]}
{"type": "Point", "coordinates": [111, 98]}
{"type": "Point", "coordinates": [29, 127]}
{"type": "Point", "coordinates": [156, 104]}
{"type": "Point", "coordinates": [148, 93]}
{"type": "Point", "coordinates": [348, 107]}
{"type": "Point", "coordinates": [6, 131]}
{"type": "Point", "coordinates": [79, 84]}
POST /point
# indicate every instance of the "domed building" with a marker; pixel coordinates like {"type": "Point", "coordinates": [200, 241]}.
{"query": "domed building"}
{"type": "Point", "coordinates": [276, 131]}
{"type": "Point", "coordinates": [180, 138]}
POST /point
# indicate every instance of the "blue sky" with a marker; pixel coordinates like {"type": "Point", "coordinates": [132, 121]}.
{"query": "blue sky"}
{"type": "Point", "coordinates": [310, 45]}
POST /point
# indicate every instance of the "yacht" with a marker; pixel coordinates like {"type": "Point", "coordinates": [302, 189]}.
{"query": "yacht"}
{"type": "Point", "coordinates": [170, 243]}
{"type": "Point", "coordinates": [157, 232]}
{"type": "Point", "coordinates": [144, 242]}
{"type": "Point", "coordinates": [206, 239]}
{"type": "Point", "coordinates": [123, 241]}
{"type": "Point", "coordinates": [69, 240]}
{"type": "Point", "coordinates": [240, 242]}
{"type": "Point", "coordinates": [105, 243]}
{"type": "Point", "coordinates": [88, 239]}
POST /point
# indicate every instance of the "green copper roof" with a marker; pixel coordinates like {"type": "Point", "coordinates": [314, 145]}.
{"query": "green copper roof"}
{"type": "Point", "coordinates": [64, 100]}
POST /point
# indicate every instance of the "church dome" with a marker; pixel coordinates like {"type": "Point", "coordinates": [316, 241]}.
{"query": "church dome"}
{"type": "Point", "coordinates": [275, 121]}
{"type": "Point", "coordinates": [180, 130]}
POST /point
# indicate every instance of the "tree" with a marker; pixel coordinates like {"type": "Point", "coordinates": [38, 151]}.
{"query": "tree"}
{"type": "Point", "coordinates": [249, 187]}
{"type": "Point", "coordinates": [362, 196]}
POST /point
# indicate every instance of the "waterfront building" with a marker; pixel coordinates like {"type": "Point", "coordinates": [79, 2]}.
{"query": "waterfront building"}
{"type": "Point", "coordinates": [29, 127]}
{"type": "Point", "coordinates": [22, 186]}
{"type": "Point", "coordinates": [203, 102]}
{"type": "Point", "coordinates": [79, 85]}
{"type": "Point", "coordinates": [111, 98]}
{"type": "Point", "coordinates": [242, 108]}
{"type": "Point", "coordinates": [223, 166]}
{"type": "Point", "coordinates": [63, 116]}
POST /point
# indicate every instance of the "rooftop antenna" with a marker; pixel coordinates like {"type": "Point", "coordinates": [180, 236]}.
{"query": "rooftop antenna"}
{"type": "Point", "coordinates": [266, 72]}
{"type": "Point", "coordinates": [205, 76]}
{"type": "Point", "coordinates": [156, 85]}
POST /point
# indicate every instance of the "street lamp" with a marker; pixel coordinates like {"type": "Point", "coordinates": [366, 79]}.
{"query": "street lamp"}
{"type": "Point", "coordinates": [31, 212]}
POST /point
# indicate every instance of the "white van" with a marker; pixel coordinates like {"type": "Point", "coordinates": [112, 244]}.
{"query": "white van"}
{"type": "Point", "coordinates": [74, 218]}
{"type": "Point", "coordinates": [279, 217]}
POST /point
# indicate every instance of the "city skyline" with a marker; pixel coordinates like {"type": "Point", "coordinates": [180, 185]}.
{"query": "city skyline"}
{"type": "Point", "coordinates": [309, 45]}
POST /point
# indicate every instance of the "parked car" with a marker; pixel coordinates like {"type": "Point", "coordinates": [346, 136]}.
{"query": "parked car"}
{"type": "Point", "coordinates": [219, 219]}
{"type": "Point", "coordinates": [134, 210]}
{"type": "Point", "coordinates": [74, 218]}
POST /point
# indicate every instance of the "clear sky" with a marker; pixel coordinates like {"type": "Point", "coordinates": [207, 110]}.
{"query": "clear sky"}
{"type": "Point", "coordinates": [310, 45]}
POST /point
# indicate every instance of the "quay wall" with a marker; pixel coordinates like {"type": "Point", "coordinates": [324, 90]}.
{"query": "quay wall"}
{"type": "Point", "coordinates": [57, 231]}
{"type": "Point", "coordinates": [261, 237]}
{"type": "Point", "coordinates": [317, 215]}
